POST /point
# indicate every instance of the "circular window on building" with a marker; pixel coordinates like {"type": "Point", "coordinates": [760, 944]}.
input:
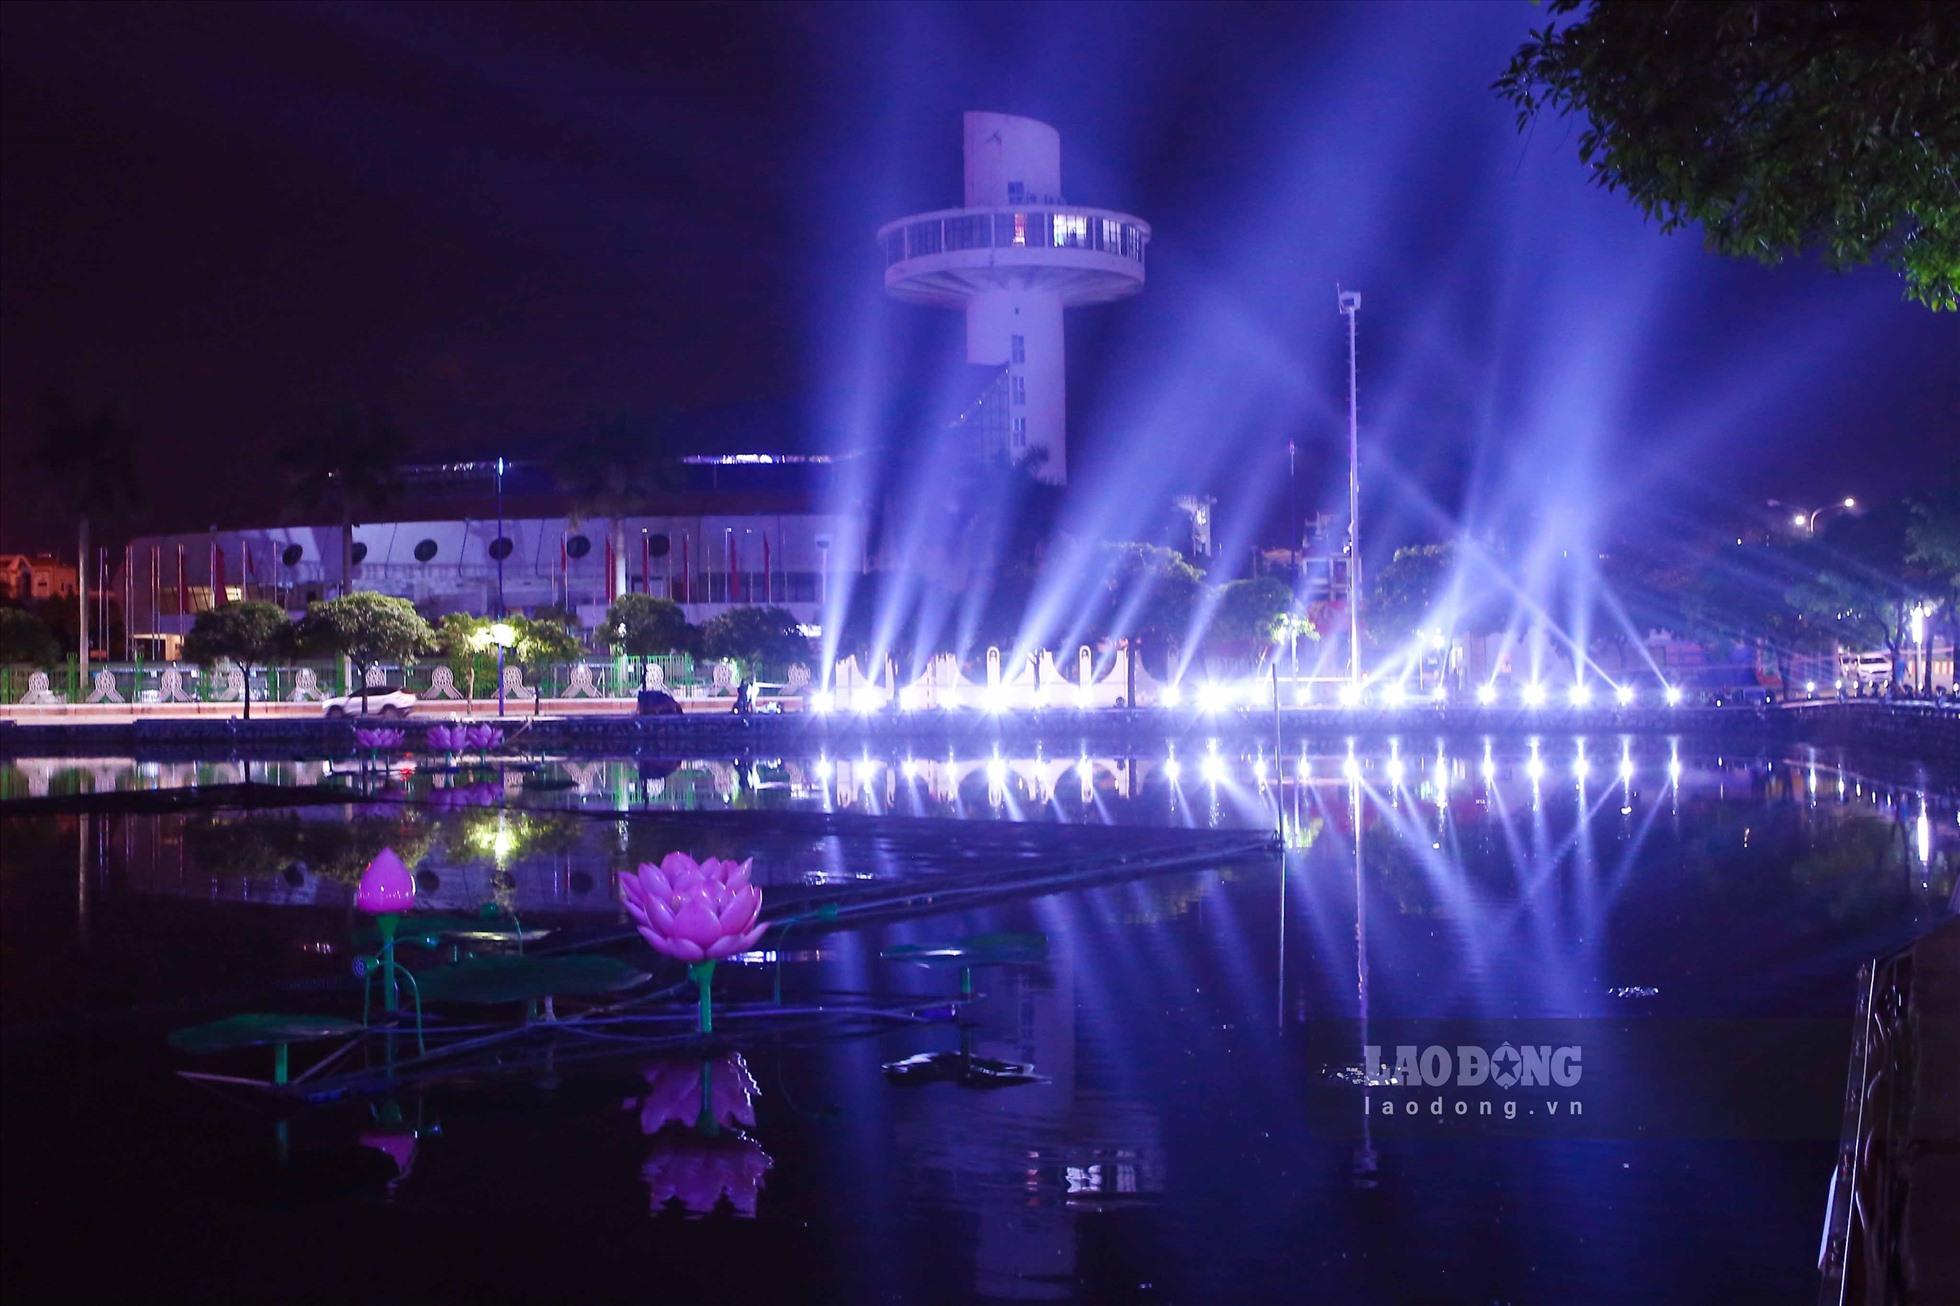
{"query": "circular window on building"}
{"type": "Point", "coordinates": [360, 554]}
{"type": "Point", "coordinates": [501, 548]}
{"type": "Point", "coordinates": [291, 554]}
{"type": "Point", "coordinates": [425, 551]}
{"type": "Point", "coordinates": [577, 547]}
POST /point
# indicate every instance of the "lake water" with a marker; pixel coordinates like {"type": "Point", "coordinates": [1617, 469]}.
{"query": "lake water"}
{"type": "Point", "coordinates": [1654, 948]}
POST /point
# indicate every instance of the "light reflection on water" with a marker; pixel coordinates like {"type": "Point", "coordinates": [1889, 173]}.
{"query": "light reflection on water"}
{"type": "Point", "coordinates": [1195, 1124]}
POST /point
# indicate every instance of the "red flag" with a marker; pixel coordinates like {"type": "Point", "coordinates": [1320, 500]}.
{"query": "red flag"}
{"type": "Point", "coordinates": [183, 584]}
{"type": "Point", "coordinates": [217, 575]}
{"type": "Point", "coordinates": [768, 577]}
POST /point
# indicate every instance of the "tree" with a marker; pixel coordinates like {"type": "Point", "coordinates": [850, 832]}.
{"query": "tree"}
{"type": "Point", "coordinates": [1777, 127]}
{"type": "Point", "coordinates": [644, 625]}
{"type": "Point", "coordinates": [366, 628]}
{"type": "Point", "coordinates": [1933, 548]}
{"type": "Point", "coordinates": [1257, 611]}
{"type": "Point", "coordinates": [24, 637]}
{"type": "Point", "coordinates": [611, 471]}
{"type": "Point", "coordinates": [89, 455]}
{"type": "Point", "coordinates": [1855, 582]}
{"type": "Point", "coordinates": [1407, 590]}
{"type": "Point", "coordinates": [463, 642]}
{"type": "Point", "coordinates": [351, 471]}
{"type": "Point", "coordinates": [543, 642]}
{"type": "Point", "coordinates": [249, 634]}
{"type": "Point", "coordinates": [766, 639]}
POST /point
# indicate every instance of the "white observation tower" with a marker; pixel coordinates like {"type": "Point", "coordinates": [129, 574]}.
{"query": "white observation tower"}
{"type": "Point", "coordinates": [1014, 257]}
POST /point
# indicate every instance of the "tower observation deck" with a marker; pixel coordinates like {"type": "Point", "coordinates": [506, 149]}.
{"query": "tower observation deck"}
{"type": "Point", "coordinates": [1014, 257]}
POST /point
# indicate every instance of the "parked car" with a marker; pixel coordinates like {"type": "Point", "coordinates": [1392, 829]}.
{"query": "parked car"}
{"type": "Point", "coordinates": [373, 700]}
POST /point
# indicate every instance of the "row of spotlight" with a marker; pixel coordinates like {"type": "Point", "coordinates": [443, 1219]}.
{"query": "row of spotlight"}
{"type": "Point", "coordinates": [1213, 697]}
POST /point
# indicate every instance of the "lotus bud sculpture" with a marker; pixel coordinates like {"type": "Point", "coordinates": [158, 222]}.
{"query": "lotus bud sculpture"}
{"type": "Point", "coordinates": [387, 890]}
{"type": "Point", "coordinates": [696, 912]}
{"type": "Point", "coordinates": [483, 738]}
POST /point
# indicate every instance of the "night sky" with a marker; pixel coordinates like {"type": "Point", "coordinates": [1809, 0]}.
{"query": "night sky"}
{"type": "Point", "coordinates": [501, 224]}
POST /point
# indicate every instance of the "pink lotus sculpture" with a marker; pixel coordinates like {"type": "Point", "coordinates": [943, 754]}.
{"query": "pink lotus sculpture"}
{"type": "Point", "coordinates": [386, 886]}
{"type": "Point", "coordinates": [482, 738]}
{"type": "Point", "coordinates": [376, 740]}
{"type": "Point", "coordinates": [449, 739]}
{"type": "Point", "coordinates": [699, 1170]}
{"type": "Point", "coordinates": [706, 1095]}
{"type": "Point", "coordinates": [696, 912]}
{"type": "Point", "coordinates": [387, 890]}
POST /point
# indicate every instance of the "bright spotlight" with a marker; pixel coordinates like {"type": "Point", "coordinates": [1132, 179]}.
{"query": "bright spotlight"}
{"type": "Point", "coordinates": [1255, 692]}
{"type": "Point", "coordinates": [1350, 768]}
{"type": "Point", "coordinates": [1626, 770]}
{"type": "Point", "coordinates": [994, 700]}
{"type": "Point", "coordinates": [1850, 502]}
{"type": "Point", "coordinates": [1674, 770]}
{"type": "Point", "coordinates": [1259, 769]}
{"type": "Point", "coordinates": [1581, 696]}
{"type": "Point", "coordinates": [996, 772]}
{"type": "Point", "coordinates": [949, 697]}
{"type": "Point", "coordinates": [908, 698]}
{"type": "Point", "coordinates": [822, 701]}
{"type": "Point", "coordinates": [1303, 694]}
{"type": "Point", "coordinates": [1623, 695]}
{"type": "Point", "coordinates": [1172, 770]}
{"type": "Point", "coordinates": [1439, 695]}
{"type": "Point", "coordinates": [823, 768]}
{"type": "Point", "coordinates": [909, 768]}
{"type": "Point", "coordinates": [1350, 694]}
{"type": "Point", "coordinates": [1486, 694]}
{"type": "Point", "coordinates": [1673, 695]}
{"type": "Point", "coordinates": [1395, 770]}
{"type": "Point", "coordinates": [1534, 694]}
{"type": "Point", "coordinates": [1535, 768]}
{"type": "Point", "coordinates": [1581, 768]}
{"type": "Point", "coordinates": [865, 702]}
{"type": "Point", "coordinates": [1394, 695]}
{"type": "Point", "coordinates": [1798, 519]}
{"type": "Point", "coordinates": [1212, 699]}
{"type": "Point", "coordinates": [1212, 768]}
{"type": "Point", "coordinates": [1810, 689]}
{"type": "Point", "coordinates": [1172, 696]}
{"type": "Point", "coordinates": [1304, 769]}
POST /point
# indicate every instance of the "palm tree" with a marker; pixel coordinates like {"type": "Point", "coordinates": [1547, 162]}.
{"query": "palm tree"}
{"type": "Point", "coordinates": [88, 453]}
{"type": "Point", "coordinates": [351, 471]}
{"type": "Point", "coordinates": [611, 472]}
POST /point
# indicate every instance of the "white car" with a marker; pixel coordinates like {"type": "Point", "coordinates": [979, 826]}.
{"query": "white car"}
{"type": "Point", "coordinates": [379, 700]}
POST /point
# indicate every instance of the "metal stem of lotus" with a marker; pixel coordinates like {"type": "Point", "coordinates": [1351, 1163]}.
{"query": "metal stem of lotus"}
{"type": "Point", "coordinates": [703, 974]}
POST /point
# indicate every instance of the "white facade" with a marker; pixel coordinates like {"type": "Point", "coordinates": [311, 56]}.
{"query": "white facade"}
{"type": "Point", "coordinates": [705, 563]}
{"type": "Point", "coordinates": [1013, 258]}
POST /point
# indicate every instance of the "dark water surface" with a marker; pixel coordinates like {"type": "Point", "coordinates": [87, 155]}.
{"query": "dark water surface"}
{"type": "Point", "coordinates": [1201, 1123]}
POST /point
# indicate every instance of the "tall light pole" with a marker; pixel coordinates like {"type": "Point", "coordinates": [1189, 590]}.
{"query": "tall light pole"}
{"type": "Point", "coordinates": [1350, 302]}
{"type": "Point", "coordinates": [497, 547]}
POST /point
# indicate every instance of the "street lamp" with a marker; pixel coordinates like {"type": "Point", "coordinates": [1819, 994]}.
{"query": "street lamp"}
{"type": "Point", "coordinates": [1809, 520]}
{"type": "Point", "coordinates": [503, 637]}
